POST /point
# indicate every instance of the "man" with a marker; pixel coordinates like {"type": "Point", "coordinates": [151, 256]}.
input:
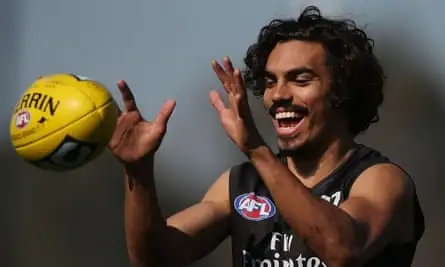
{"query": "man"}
{"type": "Point", "coordinates": [323, 201]}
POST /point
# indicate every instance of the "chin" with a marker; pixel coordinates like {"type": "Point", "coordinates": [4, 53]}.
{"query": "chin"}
{"type": "Point", "coordinates": [290, 147]}
{"type": "Point", "coordinates": [302, 148]}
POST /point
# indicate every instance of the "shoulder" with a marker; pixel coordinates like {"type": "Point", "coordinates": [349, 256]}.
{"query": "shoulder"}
{"type": "Point", "coordinates": [383, 194]}
{"type": "Point", "coordinates": [240, 169]}
{"type": "Point", "coordinates": [220, 188]}
{"type": "Point", "coordinates": [383, 197]}
{"type": "Point", "coordinates": [374, 171]}
{"type": "Point", "coordinates": [385, 180]}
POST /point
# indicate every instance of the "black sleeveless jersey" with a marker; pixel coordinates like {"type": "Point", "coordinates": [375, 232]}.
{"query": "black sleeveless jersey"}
{"type": "Point", "coordinates": [260, 237]}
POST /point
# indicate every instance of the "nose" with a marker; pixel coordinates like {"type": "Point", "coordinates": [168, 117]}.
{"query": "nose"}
{"type": "Point", "coordinates": [281, 93]}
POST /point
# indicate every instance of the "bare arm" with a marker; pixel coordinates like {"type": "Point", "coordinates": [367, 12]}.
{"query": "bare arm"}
{"type": "Point", "coordinates": [345, 236]}
{"type": "Point", "coordinates": [181, 239]}
{"type": "Point", "coordinates": [153, 240]}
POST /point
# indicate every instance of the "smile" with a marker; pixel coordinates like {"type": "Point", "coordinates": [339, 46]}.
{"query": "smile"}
{"type": "Point", "coordinates": [287, 124]}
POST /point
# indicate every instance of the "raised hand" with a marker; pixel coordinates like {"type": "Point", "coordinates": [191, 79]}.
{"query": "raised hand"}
{"type": "Point", "coordinates": [135, 138]}
{"type": "Point", "coordinates": [236, 119]}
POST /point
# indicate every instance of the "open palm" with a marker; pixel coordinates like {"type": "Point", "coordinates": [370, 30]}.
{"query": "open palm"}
{"type": "Point", "coordinates": [236, 118]}
{"type": "Point", "coordinates": [135, 138]}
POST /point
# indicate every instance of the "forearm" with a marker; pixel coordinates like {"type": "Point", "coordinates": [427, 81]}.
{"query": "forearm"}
{"type": "Point", "coordinates": [143, 217]}
{"type": "Point", "coordinates": [325, 228]}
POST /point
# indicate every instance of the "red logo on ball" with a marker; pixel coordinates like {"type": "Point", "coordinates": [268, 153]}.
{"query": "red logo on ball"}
{"type": "Point", "coordinates": [22, 119]}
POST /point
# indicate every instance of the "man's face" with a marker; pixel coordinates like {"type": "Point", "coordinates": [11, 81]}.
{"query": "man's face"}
{"type": "Point", "coordinates": [297, 93]}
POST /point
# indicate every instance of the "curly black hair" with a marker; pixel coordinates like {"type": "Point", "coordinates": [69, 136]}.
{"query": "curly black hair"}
{"type": "Point", "coordinates": [358, 78]}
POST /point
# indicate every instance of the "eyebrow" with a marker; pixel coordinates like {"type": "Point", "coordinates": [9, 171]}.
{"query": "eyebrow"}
{"type": "Point", "coordinates": [292, 72]}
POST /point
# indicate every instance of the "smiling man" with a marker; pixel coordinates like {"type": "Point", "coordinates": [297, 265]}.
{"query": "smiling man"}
{"type": "Point", "coordinates": [324, 200]}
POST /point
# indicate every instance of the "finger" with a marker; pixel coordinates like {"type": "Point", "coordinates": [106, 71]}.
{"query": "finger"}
{"type": "Point", "coordinates": [165, 112]}
{"type": "Point", "coordinates": [118, 131]}
{"type": "Point", "coordinates": [224, 77]}
{"type": "Point", "coordinates": [228, 65]}
{"type": "Point", "coordinates": [119, 111]}
{"type": "Point", "coordinates": [238, 86]}
{"type": "Point", "coordinates": [234, 103]}
{"type": "Point", "coordinates": [217, 102]}
{"type": "Point", "coordinates": [127, 96]}
{"type": "Point", "coordinates": [220, 72]}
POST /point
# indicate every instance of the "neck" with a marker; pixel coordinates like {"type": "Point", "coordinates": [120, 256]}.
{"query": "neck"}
{"type": "Point", "coordinates": [323, 161]}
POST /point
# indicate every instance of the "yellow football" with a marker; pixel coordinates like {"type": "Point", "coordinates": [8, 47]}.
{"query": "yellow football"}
{"type": "Point", "coordinates": [63, 121]}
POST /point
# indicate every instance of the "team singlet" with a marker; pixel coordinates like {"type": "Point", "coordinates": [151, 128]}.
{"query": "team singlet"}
{"type": "Point", "coordinates": [261, 238]}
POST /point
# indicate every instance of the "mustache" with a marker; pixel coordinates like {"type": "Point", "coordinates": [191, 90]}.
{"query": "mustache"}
{"type": "Point", "coordinates": [289, 107]}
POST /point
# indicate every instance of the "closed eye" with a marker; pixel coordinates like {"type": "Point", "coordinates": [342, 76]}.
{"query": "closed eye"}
{"type": "Point", "coordinates": [301, 76]}
{"type": "Point", "coordinates": [303, 81]}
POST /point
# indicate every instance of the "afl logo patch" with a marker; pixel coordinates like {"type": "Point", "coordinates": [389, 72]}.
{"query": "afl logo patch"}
{"type": "Point", "coordinates": [253, 207]}
{"type": "Point", "coordinates": [22, 119]}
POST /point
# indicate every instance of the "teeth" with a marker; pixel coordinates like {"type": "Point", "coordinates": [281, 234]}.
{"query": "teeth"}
{"type": "Point", "coordinates": [285, 115]}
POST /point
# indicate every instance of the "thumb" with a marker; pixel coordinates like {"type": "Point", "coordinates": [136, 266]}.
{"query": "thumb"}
{"type": "Point", "coordinates": [217, 102]}
{"type": "Point", "coordinates": [165, 112]}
